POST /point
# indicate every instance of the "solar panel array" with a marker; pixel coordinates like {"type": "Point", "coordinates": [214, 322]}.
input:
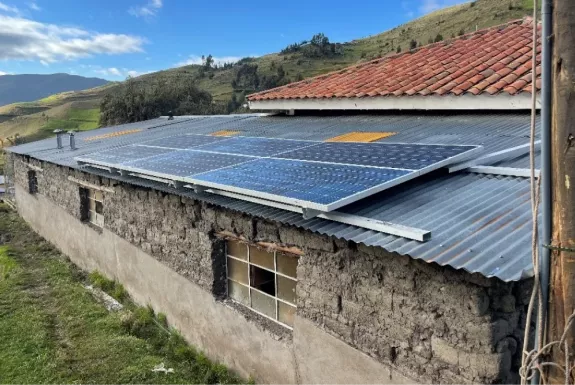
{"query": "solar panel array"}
{"type": "Point", "coordinates": [313, 175]}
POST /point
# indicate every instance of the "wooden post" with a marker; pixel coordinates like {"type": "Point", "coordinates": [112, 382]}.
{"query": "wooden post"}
{"type": "Point", "coordinates": [562, 296]}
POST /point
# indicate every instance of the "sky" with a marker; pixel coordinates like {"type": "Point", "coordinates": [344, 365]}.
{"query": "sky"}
{"type": "Point", "coordinates": [115, 39]}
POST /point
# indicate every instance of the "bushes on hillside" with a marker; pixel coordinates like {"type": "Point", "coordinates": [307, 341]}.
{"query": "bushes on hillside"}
{"type": "Point", "coordinates": [135, 101]}
{"type": "Point", "coordinates": [318, 46]}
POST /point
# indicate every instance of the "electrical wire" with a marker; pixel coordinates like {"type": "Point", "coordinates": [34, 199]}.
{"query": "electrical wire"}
{"type": "Point", "coordinates": [530, 362]}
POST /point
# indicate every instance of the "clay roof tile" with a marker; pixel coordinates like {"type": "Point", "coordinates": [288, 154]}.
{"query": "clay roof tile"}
{"type": "Point", "coordinates": [491, 61]}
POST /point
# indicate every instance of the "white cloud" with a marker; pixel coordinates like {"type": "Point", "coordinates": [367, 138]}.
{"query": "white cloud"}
{"type": "Point", "coordinates": [24, 39]}
{"type": "Point", "coordinates": [135, 74]}
{"type": "Point", "coordinates": [428, 6]}
{"type": "Point", "coordinates": [7, 8]}
{"type": "Point", "coordinates": [4, 73]}
{"type": "Point", "coordinates": [33, 6]}
{"type": "Point", "coordinates": [118, 72]}
{"type": "Point", "coordinates": [195, 59]}
{"type": "Point", "coordinates": [146, 11]}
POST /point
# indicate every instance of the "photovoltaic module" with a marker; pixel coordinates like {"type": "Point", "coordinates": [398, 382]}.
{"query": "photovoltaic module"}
{"type": "Point", "coordinates": [313, 175]}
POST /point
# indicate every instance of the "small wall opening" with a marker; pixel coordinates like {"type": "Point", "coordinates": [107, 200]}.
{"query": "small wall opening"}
{"type": "Point", "coordinates": [32, 182]}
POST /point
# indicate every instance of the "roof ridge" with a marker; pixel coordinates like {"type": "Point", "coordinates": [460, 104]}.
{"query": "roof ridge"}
{"type": "Point", "coordinates": [379, 60]}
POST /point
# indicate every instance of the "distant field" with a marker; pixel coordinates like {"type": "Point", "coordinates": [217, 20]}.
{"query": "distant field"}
{"type": "Point", "coordinates": [77, 116]}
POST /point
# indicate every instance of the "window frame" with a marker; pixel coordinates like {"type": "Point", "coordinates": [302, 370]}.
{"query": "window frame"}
{"type": "Point", "coordinates": [91, 215]}
{"type": "Point", "coordinates": [249, 286]}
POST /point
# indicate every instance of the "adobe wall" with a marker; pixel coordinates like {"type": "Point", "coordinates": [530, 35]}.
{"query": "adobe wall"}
{"type": "Point", "coordinates": [364, 315]}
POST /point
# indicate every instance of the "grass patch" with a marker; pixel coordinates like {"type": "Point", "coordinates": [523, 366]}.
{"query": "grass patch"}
{"type": "Point", "coordinates": [7, 264]}
{"type": "Point", "coordinates": [113, 288]}
{"type": "Point", "coordinates": [54, 331]}
{"type": "Point", "coordinates": [76, 119]}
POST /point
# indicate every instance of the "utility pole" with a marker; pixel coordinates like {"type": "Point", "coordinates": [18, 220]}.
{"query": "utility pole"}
{"type": "Point", "coordinates": [562, 296]}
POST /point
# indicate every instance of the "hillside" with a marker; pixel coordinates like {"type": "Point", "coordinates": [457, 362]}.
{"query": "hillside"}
{"type": "Point", "coordinates": [274, 69]}
{"type": "Point", "coordinates": [25, 88]}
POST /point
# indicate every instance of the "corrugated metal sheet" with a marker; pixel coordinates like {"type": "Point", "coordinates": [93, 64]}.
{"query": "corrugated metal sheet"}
{"type": "Point", "coordinates": [479, 223]}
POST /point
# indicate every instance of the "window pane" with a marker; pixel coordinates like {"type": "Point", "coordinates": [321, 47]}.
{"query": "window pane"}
{"type": "Point", "coordinates": [97, 219]}
{"type": "Point", "coordinates": [286, 289]}
{"type": "Point", "coordinates": [263, 280]}
{"type": "Point", "coordinates": [99, 207]}
{"type": "Point", "coordinates": [264, 304]}
{"type": "Point", "coordinates": [92, 205]}
{"type": "Point", "coordinates": [239, 293]}
{"type": "Point", "coordinates": [98, 195]}
{"type": "Point", "coordinates": [286, 313]}
{"type": "Point", "coordinates": [238, 270]}
{"type": "Point", "coordinates": [262, 258]}
{"type": "Point", "coordinates": [287, 264]}
{"type": "Point", "coordinates": [237, 249]}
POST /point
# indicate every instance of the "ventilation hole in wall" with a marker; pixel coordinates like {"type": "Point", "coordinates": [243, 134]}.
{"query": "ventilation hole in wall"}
{"type": "Point", "coordinates": [339, 304]}
{"type": "Point", "coordinates": [393, 354]}
{"type": "Point", "coordinates": [352, 245]}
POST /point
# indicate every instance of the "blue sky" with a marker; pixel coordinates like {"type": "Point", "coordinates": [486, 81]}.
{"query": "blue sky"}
{"type": "Point", "coordinates": [114, 39]}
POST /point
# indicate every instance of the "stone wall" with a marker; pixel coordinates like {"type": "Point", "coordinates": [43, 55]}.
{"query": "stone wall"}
{"type": "Point", "coordinates": [430, 323]}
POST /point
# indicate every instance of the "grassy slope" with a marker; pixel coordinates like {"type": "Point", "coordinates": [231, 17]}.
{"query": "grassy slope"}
{"type": "Point", "coordinates": [448, 22]}
{"type": "Point", "coordinates": [53, 331]}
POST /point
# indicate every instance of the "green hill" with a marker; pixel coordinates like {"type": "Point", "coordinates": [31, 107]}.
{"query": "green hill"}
{"type": "Point", "coordinates": [78, 110]}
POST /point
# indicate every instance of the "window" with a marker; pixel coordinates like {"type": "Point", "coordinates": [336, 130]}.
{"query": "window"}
{"type": "Point", "coordinates": [32, 182]}
{"type": "Point", "coordinates": [262, 280]}
{"type": "Point", "coordinates": [92, 206]}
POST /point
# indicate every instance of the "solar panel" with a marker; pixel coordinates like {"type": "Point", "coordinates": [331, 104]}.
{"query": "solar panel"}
{"type": "Point", "coordinates": [316, 185]}
{"type": "Point", "coordinates": [184, 163]}
{"type": "Point", "coordinates": [257, 146]}
{"type": "Point", "coordinates": [392, 155]}
{"type": "Point", "coordinates": [119, 155]}
{"type": "Point", "coordinates": [184, 141]}
{"type": "Point", "coordinates": [313, 175]}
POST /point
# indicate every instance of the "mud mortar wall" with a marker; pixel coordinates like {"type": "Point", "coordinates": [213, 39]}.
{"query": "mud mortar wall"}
{"type": "Point", "coordinates": [430, 323]}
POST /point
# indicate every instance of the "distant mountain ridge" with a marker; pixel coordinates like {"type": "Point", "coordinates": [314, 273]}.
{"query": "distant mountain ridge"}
{"type": "Point", "coordinates": [27, 88]}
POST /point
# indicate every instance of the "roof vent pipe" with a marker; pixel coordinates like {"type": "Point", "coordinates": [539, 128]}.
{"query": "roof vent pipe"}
{"type": "Point", "coordinates": [72, 140]}
{"type": "Point", "coordinates": [58, 138]}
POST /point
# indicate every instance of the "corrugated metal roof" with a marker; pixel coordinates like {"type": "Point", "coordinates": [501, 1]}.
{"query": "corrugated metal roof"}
{"type": "Point", "coordinates": [479, 223]}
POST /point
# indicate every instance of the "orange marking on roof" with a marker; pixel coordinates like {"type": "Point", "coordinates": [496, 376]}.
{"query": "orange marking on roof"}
{"type": "Point", "coordinates": [112, 134]}
{"type": "Point", "coordinates": [225, 133]}
{"type": "Point", "coordinates": [361, 137]}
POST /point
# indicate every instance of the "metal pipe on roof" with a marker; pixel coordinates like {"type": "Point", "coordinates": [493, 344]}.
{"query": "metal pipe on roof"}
{"type": "Point", "coordinates": [58, 133]}
{"type": "Point", "coordinates": [72, 140]}
{"type": "Point", "coordinates": [545, 205]}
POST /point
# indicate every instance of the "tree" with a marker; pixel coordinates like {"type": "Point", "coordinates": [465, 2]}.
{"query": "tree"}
{"type": "Point", "coordinates": [412, 44]}
{"type": "Point", "coordinates": [319, 40]}
{"type": "Point", "coordinates": [209, 61]}
{"type": "Point", "coordinates": [461, 32]}
{"type": "Point", "coordinates": [438, 38]}
{"type": "Point", "coordinates": [135, 101]}
{"type": "Point", "coordinates": [398, 49]}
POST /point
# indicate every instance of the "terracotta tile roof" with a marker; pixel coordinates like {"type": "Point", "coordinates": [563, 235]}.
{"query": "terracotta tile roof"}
{"type": "Point", "coordinates": [490, 61]}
